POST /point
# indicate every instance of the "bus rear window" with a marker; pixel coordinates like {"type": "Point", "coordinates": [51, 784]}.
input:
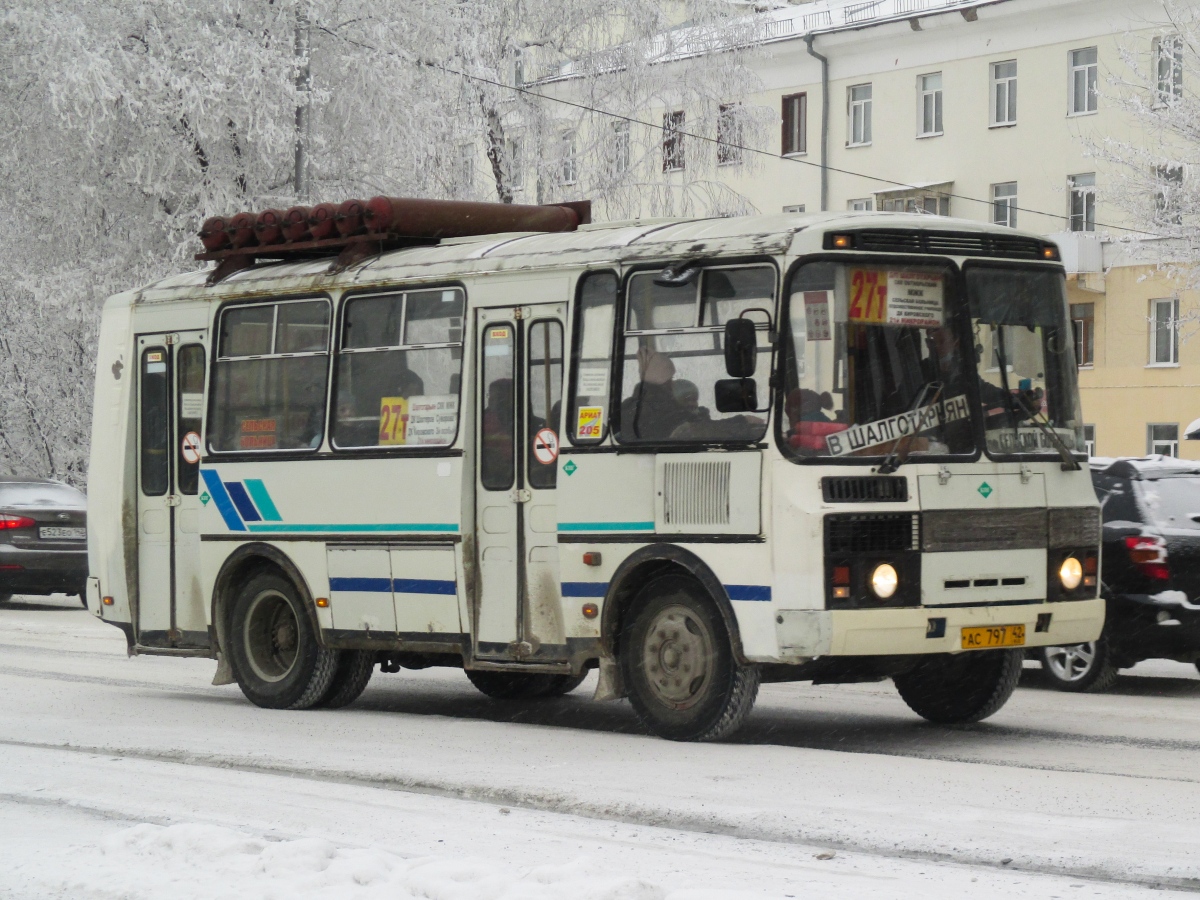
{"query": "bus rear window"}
{"type": "Point", "coordinates": [398, 370]}
{"type": "Point", "coordinates": [270, 376]}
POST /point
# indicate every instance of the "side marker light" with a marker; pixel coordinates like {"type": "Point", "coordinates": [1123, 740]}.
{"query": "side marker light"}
{"type": "Point", "coordinates": [323, 602]}
{"type": "Point", "coordinates": [590, 610]}
{"type": "Point", "coordinates": [108, 601]}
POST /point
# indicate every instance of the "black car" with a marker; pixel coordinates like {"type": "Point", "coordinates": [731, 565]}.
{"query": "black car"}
{"type": "Point", "coordinates": [1150, 572]}
{"type": "Point", "coordinates": [43, 538]}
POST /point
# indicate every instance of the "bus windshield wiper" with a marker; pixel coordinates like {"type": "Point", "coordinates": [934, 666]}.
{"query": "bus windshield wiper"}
{"type": "Point", "coordinates": [1069, 462]}
{"type": "Point", "coordinates": [892, 461]}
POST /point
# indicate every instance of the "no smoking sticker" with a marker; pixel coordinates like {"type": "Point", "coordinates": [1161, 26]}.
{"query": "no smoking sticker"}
{"type": "Point", "coordinates": [191, 447]}
{"type": "Point", "coordinates": [545, 446]}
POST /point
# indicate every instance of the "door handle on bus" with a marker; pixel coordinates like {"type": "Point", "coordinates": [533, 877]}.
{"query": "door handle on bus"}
{"type": "Point", "coordinates": [521, 495]}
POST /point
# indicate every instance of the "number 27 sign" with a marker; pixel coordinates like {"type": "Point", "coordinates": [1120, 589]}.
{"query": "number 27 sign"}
{"type": "Point", "coordinates": [868, 295]}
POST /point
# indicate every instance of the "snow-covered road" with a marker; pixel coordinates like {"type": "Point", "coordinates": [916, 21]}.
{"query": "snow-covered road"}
{"type": "Point", "coordinates": [135, 778]}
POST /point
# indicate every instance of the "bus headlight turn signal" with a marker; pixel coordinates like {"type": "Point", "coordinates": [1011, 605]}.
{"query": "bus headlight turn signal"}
{"type": "Point", "coordinates": [1070, 573]}
{"type": "Point", "coordinates": [884, 580]}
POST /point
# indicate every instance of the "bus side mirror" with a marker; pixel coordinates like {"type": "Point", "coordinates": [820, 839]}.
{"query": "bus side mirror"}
{"type": "Point", "coordinates": [735, 395]}
{"type": "Point", "coordinates": [741, 348]}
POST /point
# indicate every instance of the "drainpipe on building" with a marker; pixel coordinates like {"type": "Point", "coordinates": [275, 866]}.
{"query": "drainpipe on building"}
{"type": "Point", "coordinates": [808, 39]}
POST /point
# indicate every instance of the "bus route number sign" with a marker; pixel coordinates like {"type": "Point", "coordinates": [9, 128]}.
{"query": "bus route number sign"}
{"type": "Point", "coordinates": [545, 446]}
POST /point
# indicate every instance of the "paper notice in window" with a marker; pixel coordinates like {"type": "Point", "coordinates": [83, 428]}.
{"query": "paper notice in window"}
{"type": "Point", "coordinates": [590, 423]}
{"type": "Point", "coordinates": [191, 406]}
{"type": "Point", "coordinates": [593, 382]}
{"type": "Point", "coordinates": [914, 299]}
{"type": "Point", "coordinates": [816, 315]}
{"type": "Point", "coordinates": [432, 420]}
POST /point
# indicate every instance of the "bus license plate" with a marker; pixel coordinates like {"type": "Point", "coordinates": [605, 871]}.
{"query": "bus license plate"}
{"type": "Point", "coordinates": [993, 636]}
{"type": "Point", "coordinates": [62, 532]}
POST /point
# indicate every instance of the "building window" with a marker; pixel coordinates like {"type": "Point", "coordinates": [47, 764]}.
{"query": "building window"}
{"type": "Point", "coordinates": [1004, 204]}
{"type": "Point", "coordinates": [673, 141]}
{"type": "Point", "coordinates": [1083, 81]}
{"type": "Point", "coordinates": [1089, 439]}
{"type": "Point", "coordinates": [1168, 196]}
{"type": "Point", "coordinates": [936, 205]}
{"type": "Point", "coordinates": [795, 124]}
{"type": "Point", "coordinates": [1082, 214]}
{"type": "Point", "coordinates": [866, 204]}
{"type": "Point", "coordinates": [1162, 439]}
{"type": "Point", "coordinates": [1164, 332]}
{"type": "Point", "coordinates": [929, 91]}
{"type": "Point", "coordinates": [1004, 93]}
{"type": "Point", "coordinates": [1168, 58]}
{"type": "Point", "coordinates": [622, 150]}
{"type": "Point", "coordinates": [514, 163]}
{"type": "Point", "coordinates": [1083, 324]}
{"type": "Point", "coordinates": [729, 134]}
{"type": "Point", "coordinates": [570, 161]}
{"type": "Point", "coordinates": [796, 208]}
{"type": "Point", "coordinates": [859, 100]}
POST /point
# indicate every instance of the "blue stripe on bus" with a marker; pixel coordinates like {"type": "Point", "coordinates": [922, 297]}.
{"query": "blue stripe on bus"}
{"type": "Point", "coordinates": [237, 493]}
{"type": "Point", "coordinates": [584, 588]}
{"type": "Point", "coordinates": [423, 586]}
{"type": "Point", "coordinates": [311, 528]}
{"type": "Point", "coordinates": [262, 499]}
{"type": "Point", "coordinates": [232, 520]}
{"type": "Point", "coordinates": [367, 585]}
{"type": "Point", "coordinates": [748, 591]}
{"type": "Point", "coordinates": [605, 526]}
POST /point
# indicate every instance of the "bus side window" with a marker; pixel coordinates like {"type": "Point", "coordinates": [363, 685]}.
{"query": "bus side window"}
{"type": "Point", "coordinates": [190, 360]}
{"type": "Point", "coordinates": [156, 406]}
{"type": "Point", "coordinates": [544, 380]}
{"type": "Point", "coordinates": [591, 358]}
{"type": "Point", "coordinates": [498, 427]}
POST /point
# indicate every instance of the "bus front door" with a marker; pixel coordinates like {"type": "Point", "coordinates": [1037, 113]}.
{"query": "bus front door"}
{"type": "Point", "coordinates": [519, 412]}
{"type": "Point", "coordinates": [171, 609]}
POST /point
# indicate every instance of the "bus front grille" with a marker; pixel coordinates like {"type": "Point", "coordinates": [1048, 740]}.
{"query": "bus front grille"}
{"type": "Point", "coordinates": [864, 489]}
{"type": "Point", "coordinates": [696, 493]}
{"type": "Point", "coordinates": [871, 533]}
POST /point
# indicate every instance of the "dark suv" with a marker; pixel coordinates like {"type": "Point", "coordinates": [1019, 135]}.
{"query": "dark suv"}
{"type": "Point", "coordinates": [1150, 572]}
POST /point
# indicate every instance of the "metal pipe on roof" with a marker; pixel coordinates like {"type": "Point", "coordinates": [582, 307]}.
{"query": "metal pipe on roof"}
{"type": "Point", "coordinates": [808, 40]}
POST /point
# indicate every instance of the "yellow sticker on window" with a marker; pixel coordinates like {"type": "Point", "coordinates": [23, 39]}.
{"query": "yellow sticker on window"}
{"type": "Point", "coordinates": [393, 421]}
{"type": "Point", "coordinates": [868, 296]}
{"type": "Point", "coordinates": [590, 423]}
{"type": "Point", "coordinates": [154, 357]}
{"type": "Point", "coordinates": [498, 334]}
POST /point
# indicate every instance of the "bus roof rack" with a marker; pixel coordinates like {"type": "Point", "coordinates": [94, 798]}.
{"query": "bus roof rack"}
{"type": "Point", "coordinates": [355, 229]}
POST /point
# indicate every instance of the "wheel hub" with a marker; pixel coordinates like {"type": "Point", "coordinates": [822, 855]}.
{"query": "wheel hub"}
{"type": "Point", "coordinates": [1071, 663]}
{"type": "Point", "coordinates": [678, 657]}
{"type": "Point", "coordinates": [272, 636]}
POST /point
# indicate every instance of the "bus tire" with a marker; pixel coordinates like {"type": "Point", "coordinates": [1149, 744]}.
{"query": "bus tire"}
{"type": "Point", "coordinates": [522, 685]}
{"type": "Point", "coordinates": [961, 688]}
{"type": "Point", "coordinates": [678, 664]}
{"type": "Point", "coordinates": [273, 649]}
{"type": "Point", "coordinates": [354, 671]}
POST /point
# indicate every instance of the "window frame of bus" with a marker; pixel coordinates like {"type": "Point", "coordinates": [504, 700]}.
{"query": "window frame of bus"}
{"type": "Point", "coordinates": [1026, 266]}
{"type": "Point", "coordinates": [616, 391]}
{"type": "Point", "coordinates": [784, 347]}
{"type": "Point", "coordinates": [336, 353]}
{"type": "Point", "coordinates": [215, 359]}
{"type": "Point", "coordinates": [576, 348]}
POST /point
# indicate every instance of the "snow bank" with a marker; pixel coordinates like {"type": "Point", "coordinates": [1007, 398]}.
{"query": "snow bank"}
{"type": "Point", "coordinates": [209, 862]}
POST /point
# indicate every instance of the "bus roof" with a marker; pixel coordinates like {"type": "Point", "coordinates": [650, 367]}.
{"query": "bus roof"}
{"type": "Point", "coordinates": [606, 242]}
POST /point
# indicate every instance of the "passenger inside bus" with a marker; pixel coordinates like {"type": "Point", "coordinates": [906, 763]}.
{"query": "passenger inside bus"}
{"type": "Point", "coordinates": [497, 462]}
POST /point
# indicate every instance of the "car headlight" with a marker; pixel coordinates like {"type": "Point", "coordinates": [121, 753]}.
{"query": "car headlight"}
{"type": "Point", "coordinates": [1070, 573]}
{"type": "Point", "coordinates": [884, 580]}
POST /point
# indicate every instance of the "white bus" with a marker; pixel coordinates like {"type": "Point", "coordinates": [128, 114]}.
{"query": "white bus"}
{"type": "Point", "coordinates": [697, 454]}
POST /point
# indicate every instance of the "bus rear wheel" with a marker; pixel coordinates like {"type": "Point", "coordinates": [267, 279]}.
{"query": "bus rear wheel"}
{"type": "Point", "coordinates": [961, 688]}
{"type": "Point", "coordinates": [273, 648]}
{"type": "Point", "coordinates": [523, 685]}
{"type": "Point", "coordinates": [354, 671]}
{"type": "Point", "coordinates": [678, 664]}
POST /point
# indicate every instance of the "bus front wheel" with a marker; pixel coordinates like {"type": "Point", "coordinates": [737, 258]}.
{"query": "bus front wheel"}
{"type": "Point", "coordinates": [961, 688]}
{"type": "Point", "coordinates": [678, 664]}
{"type": "Point", "coordinates": [273, 649]}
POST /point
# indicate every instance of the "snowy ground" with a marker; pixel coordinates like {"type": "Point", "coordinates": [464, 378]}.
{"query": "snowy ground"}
{"type": "Point", "coordinates": [134, 778]}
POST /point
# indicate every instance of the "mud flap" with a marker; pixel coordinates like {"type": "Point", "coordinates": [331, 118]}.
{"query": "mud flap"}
{"type": "Point", "coordinates": [224, 674]}
{"type": "Point", "coordinates": [610, 686]}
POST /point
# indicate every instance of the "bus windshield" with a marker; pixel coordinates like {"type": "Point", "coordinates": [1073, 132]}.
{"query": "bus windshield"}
{"type": "Point", "coordinates": [1025, 353]}
{"type": "Point", "coordinates": [875, 364]}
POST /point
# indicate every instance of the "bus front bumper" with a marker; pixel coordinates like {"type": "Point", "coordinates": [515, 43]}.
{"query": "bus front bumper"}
{"type": "Point", "coordinates": [931, 629]}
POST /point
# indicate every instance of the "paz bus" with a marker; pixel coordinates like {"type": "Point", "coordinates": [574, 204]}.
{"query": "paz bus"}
{"type": "Point", "coordinates": [696, 454]}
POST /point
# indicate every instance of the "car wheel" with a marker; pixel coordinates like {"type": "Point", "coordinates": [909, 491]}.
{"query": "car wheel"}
{"type": "Point", "coordinates": [1080, 667]}
{"type": "Point", "coordinates": [273, 648]}
{"type": "Point", "coordinates": [961, 688]}
{"type": "Point", "coordinates": [4, 598]}
{"type": "Point", "coordinates": [521, 685]}
{"type": "Point", "coordinates": [678, 665]}
{"type": "Point", "coordinates": [354, 671]}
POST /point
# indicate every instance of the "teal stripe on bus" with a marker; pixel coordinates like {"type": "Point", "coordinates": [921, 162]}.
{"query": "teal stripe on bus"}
{"type": "Point", "coordinates": [262, 499]}
{"type": "Point", "coordinates": [394, 526]}
{"type": "Point", "coordinates": [605, 526]}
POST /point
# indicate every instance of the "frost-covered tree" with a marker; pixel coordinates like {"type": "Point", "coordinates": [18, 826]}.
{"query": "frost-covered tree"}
{"type": "Point", "coordinates": [127, 123]}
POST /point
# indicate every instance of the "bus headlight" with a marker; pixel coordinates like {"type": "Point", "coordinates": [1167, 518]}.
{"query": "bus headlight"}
{"type": "Point", "coordinates": [884, 580]}
{"type": "Point", "coordinates": [1070, 573]}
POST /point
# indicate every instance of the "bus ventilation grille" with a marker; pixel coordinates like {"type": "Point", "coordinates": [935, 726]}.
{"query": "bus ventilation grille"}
{"type": "Point", "coordinates": [955, 243]}
{"type": "Point", "coordinates": [862, 489]}
{"type": "Point", "coordinates": [872, 533]}
{"type": "Point", "coordinates": [696, 493]}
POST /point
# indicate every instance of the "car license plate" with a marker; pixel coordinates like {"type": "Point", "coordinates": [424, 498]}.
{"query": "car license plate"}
{"type": "Point", "coordinates": [993, 636]}
{"type": "Point", "coordinates": [63, 532]}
